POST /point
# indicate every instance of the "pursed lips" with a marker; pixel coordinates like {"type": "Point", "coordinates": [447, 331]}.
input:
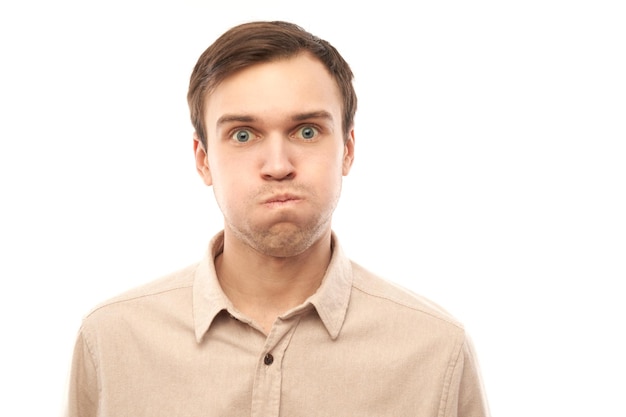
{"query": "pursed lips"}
{"type": "Point", "coordinates": [281, 199]}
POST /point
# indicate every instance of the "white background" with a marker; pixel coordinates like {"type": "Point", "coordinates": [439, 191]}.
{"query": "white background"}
{"type": "Point", "coordinates": [489, 176]}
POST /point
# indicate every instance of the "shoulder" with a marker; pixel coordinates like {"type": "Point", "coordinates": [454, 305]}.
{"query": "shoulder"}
{"type": "Point", "coordinates": [157, 291]}
{"type": "Point", "coordinates": [398, 300]}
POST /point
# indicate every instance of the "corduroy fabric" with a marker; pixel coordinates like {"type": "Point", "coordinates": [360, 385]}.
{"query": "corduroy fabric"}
{"type": "Point", "coordinates": [360, 346]}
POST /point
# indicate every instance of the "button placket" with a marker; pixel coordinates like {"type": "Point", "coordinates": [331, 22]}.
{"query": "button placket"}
{"type": "Point", "coordinates": [266, 391]}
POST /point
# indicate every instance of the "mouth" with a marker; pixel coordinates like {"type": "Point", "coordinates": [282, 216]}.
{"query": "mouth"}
{"type": "Point", "coordinates": [280, 200]}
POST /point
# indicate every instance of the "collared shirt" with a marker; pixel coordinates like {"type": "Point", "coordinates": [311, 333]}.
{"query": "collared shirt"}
{"type": "Point", "coordinates": [360, 346]}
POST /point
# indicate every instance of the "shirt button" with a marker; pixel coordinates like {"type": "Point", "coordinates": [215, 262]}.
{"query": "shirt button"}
{"type": "Point", "coordinates": [269, 359]}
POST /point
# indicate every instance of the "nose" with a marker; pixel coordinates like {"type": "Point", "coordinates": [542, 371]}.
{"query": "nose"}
{"type": "Point", "coordinates": [277, 163]}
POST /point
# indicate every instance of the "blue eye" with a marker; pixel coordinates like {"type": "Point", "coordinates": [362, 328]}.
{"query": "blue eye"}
{"type": "Point", "coordinates": [242, 136]}
{"type": "Point", "coordinates": [308, 132]}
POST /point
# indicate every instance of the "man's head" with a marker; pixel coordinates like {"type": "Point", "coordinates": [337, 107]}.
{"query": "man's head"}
{"type": "Point", "coordinates": [274, 135]}
{"type": "Point", "coordinates": [258, 42]}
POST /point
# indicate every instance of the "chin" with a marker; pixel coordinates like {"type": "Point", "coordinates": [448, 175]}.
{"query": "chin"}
{"type": "Point", "coordinates": [285, 241]}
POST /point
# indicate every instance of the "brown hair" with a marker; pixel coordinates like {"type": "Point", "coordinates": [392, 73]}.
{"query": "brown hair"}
{"type": "Point", "coordinates": [257, 42]}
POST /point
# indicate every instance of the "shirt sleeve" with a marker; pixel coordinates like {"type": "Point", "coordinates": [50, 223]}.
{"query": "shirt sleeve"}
{"type": "Point", "coordinates": [466, 396]}
{"type": "Point", "coordinates": [83, 384]}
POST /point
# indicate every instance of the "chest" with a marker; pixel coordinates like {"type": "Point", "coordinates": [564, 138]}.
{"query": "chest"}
{"type": "Point", "coordinates": [297, 370]}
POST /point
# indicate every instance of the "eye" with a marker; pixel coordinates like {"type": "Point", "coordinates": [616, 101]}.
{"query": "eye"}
{"type": "Point", "coordinates": [307, 132]}
{"type": "Point", "coordinates": [242, 136]}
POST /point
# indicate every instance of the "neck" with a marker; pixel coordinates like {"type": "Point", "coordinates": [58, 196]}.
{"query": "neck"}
{"type": "Point", "coordinates": [264, 287]}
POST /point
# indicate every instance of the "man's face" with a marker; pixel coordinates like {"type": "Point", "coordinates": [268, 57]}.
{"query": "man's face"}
{"type": "Point", "coordinates": [276, 154]}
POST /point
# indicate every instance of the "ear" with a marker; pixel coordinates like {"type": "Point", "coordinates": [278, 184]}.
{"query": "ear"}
{"type": "Point", "coordinates": [348, 153]}
{"type": "Point", "coordinates": [202, 161]}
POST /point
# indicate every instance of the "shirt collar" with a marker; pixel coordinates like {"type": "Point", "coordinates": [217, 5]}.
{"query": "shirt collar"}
{"type": "Point", "coordinates": [330, 300]}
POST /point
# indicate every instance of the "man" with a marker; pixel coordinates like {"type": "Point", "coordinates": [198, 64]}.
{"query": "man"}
{"type": "Point", "coordinates": [275, 321]}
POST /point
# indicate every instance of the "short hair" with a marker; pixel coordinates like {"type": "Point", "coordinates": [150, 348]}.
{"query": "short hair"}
{"type": "Point", "coordinates": [264, 41]}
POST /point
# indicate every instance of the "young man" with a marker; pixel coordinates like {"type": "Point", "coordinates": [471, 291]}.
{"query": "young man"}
{"type": "Point", "coordinates": [276, 320]}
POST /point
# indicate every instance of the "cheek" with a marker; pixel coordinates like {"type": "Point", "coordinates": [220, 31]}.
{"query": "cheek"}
{"type": "Point", "coordinates": [329, 168]}
{"type": "Point", "coordinates": [232, 186]}
{"type": "Point", "coordinates": [224, 172]}
{"type": "Point", "coordinates": [329, 180]}
{"type": "Point", "coordinates": [222, 183]}
{"type": "Point", "coordinates": [230, 200]}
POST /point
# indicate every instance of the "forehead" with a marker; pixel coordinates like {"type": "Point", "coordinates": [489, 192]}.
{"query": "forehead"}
{"type": "Point", "coordinates": [285, 86]}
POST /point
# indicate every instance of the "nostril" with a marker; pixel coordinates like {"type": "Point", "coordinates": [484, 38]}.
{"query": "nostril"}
{"type": "Point", "coordinates": [279, 176]}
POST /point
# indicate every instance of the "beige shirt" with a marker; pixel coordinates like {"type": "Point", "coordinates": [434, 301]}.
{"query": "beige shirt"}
{"type": "Point", "coordinates": [360, 346]}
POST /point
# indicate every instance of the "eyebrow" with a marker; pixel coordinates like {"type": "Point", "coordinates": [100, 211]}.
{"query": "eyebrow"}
{"type": "Point", "coordinates": [243, 118]}
{"type": "Point", "coordinates": [321, 114]}
{"type": "Point", "coordinates": [228, 118]}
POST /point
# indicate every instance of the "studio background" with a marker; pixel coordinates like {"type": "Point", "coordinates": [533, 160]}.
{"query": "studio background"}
{"type": "Point", "coordinates": [489, 176]}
